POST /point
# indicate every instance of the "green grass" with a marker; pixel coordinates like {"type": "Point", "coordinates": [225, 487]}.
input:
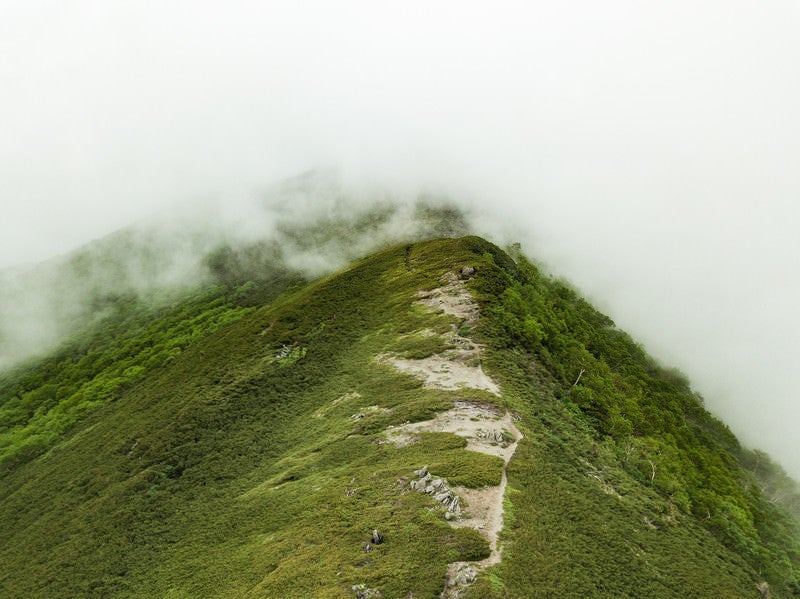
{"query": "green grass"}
{"type": "Point", "coordinates": [236, 467]}
{"type": "Point", "coordinates": [215, 463]}
{"type": "Point", "coordinates": [417, 346]}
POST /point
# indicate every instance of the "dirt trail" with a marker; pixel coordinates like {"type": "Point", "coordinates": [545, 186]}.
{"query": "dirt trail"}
{"type": "Point", "coordinates": [443, 372]}
{"type": "Point", "coordinates": [482, 425]}
{"type": "Point", "coordinates": [455, 368]}
{"type": "Point", "coordinates": [486, 428]}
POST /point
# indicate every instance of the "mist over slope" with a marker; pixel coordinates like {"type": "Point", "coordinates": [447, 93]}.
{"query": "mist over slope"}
{"type": "Point", "coordinates": [311, 224]}
{"type": "Point", "coordinates": [316, 222]}
{"type": "Point", "coordinates": [647, 151]}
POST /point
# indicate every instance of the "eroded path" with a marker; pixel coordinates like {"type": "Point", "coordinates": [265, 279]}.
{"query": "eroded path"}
{"type": "Point", "coordinates": [485, 427]}
{"type": "Point", "coordinates": [486, 431]}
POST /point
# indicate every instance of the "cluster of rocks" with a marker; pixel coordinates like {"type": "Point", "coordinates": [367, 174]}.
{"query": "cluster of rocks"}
{"type": "Point", "coordinates": [464, 574]}
{"type": "Point", "coordinates": [362, 592]}
{"type": "Point", "coordinates": [439, 489]}
{"type": "Point", "coordinates": [492, 436]}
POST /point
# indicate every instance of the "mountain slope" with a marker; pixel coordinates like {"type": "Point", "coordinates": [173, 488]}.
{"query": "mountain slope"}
{"type": "Point", "coordinates": [311, 223]}
{"type": "Point", "coordinates": [268, 455]}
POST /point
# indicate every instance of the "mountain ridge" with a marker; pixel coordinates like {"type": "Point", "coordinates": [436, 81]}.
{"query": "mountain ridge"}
{"type": "Point", "coordinates": [255, 461]}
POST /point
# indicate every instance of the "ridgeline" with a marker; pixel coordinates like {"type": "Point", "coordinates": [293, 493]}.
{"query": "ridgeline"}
{"type": "Point", "coordinates": [439, 419]}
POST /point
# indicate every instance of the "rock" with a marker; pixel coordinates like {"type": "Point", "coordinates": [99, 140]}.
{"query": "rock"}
{"type": "Point", "coordinates": [362, 592]}
{"type": "Point", "coordinates": [448, 515]}
{"type": "Point", "coordinates": [493, 436]}
{"type": "Point", "coordinates": [467, 271]}
{"type": "Point", "coordinates": [436, 483]}
{"type": "Point", "coordinates": [443, 497]}
{"type": "Point", "coordinates": [456, 506]}
{"type": "Point", "coordinates": [377, 538]}
{"type": "Point", "coordinates": [358, 416]}
{"type": "Point", "coordinates": [366, 547]}
{"type": "Point", "coordinates": [465, 574]}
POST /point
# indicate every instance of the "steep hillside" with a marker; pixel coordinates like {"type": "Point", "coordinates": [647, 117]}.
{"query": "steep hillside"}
{"type": "Point", "coordinates": [435, 420]}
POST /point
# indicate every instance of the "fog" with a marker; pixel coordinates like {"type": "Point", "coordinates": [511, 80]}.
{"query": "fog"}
{"type": "Point", "coordinates": [648, 152]}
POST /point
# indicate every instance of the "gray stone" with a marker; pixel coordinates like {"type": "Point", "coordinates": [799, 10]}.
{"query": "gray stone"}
{"type": "Point", "coordinates": [363, 592]}
{"type": "Point", "coordinates": [467, 271]}
{"type": "Point", "coordinates": [443, 497]}
{"type": "Point", "coordinates": [465, 574]}
{"type": "Point", "coordinates": [455, 505]}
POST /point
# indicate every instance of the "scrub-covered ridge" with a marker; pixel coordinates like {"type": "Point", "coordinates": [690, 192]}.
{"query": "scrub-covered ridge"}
{"type": "Point", "coordinates": [436, 420]}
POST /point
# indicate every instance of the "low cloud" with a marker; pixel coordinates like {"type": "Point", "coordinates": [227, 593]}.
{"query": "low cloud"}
{"type": "Point", "coordinates": [647, 152]}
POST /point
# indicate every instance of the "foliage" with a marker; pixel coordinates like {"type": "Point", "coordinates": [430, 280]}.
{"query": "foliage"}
{"type": "Point", "coordinates": [418, 346]}
{"type": "Point", "coordinates": [213, 450]}
{"type": "Point", "coordinates": [40, 403]}
{"type": "Point", "coordinates": [653, 427]}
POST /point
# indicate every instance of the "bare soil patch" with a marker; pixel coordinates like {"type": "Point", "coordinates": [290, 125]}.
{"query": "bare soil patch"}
{"type": "Point", "coordinates": [486, 428]}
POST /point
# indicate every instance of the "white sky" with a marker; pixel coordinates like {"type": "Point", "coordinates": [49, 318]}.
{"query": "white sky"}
{"type": "Point", "coordinates": [649, 151]}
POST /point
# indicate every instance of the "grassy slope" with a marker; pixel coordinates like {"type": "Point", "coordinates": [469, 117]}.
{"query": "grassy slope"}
{"type": "Point", "coordinates": [230, 471]}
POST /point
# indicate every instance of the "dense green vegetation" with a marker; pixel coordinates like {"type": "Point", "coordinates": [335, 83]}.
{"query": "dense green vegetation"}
{"type": "Point", "coordinates": [232, 445]}
{"type": "Point", "coordinates": [643, 421]}
{"type": "Point", "coordinates": [42, 402]}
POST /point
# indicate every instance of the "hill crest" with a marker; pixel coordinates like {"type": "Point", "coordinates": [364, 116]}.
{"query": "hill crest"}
{"type": "Point", "coordinates": [261, 458]}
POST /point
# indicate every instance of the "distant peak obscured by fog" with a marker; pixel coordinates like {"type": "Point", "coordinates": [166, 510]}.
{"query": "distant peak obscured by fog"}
{"type": "Point", "coordinates": [312, 223]}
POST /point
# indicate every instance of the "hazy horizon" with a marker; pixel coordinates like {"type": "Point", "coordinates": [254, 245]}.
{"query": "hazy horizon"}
{"type": "Point", "coordinates": [646, 152]}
